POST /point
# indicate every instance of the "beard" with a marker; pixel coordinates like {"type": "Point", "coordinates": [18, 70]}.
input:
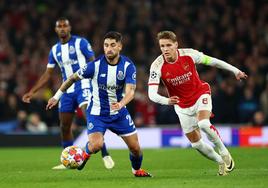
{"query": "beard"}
{"type": "Point", "coordinates": [111, 57]}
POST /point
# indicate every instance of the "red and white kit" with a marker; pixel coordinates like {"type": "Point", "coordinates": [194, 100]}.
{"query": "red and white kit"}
{"type": "Point", "coordinates": [182, 80]}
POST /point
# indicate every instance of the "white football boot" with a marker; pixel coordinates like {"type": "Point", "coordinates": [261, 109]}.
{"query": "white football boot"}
{"type": "Point", "coordinates": [222, 170]}
{"type": "Point", "coordinates": [59, 167]}
{"type": "Point", "coordinates": [228, 160]}
{"type": "Point", "coordinates": [108, 162]}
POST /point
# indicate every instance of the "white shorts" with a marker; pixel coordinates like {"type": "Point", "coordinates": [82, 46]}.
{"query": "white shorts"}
{"type": "Point", "coordinates": [188, 117]}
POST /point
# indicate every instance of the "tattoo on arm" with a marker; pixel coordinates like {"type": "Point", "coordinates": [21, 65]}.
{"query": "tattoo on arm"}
{"type": "Point", "coordinates": [133, 87]}
{"type": "Point", "coordinates": [69, 82]}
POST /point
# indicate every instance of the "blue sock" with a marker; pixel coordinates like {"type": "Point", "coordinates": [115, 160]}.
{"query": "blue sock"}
{"type": "Point", "coordinates": [87, 150]}
{"type": "Point", "coordinates": [67, 143]}
{"type": "Point", "coordinates": [135, 161]}
{"type": "Point", "coordinates": [104, 151]}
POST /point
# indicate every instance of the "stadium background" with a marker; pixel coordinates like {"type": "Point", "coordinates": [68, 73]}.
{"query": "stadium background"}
{"type": "Point", "coordinates": [234, 31]}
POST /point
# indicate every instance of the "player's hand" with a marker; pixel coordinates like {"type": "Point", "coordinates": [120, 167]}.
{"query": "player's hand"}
{"type": "Point", "coordinates": [116, 106]}
{"type": "Point", "coordinates": [173, 100]}
{"type": "Point", "coordinates": [27, 97]}
{"type": "Point", "coordinates": [51, 103]}
{"type": "Point", "coordinates": [241, 75]}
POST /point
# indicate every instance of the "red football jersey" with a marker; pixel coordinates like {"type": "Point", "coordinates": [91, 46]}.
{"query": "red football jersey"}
{"type": "Point", "coordinates": [180, 77]}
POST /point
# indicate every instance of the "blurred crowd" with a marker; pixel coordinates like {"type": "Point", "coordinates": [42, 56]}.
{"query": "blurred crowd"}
{"type": "Point", "coordinates": [234, 31]}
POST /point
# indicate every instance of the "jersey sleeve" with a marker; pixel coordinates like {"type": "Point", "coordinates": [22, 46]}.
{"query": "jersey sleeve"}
{"type": "Point", "coordinates": [131, 74]}
{"type": "Point", "coordinates": [198, 57]}
{"type": "Point", "coordinates": [201, 58]}
{"type": "Point", "coordinates": [86, 49]}
{"type": "Point", "coordinates": [51, 60]}
{"type": "Point", "coordinates": [87, 71]}
{"type": "Point", "coordinates": [155, 74]}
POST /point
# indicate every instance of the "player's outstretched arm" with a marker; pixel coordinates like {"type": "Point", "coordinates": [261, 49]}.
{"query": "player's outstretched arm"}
{"type": "Point", "coordinates": [129, 95]}
{"type": "Point", "coordinates": [212, 61]}
{"type": "Point", "coordinates": [155, 97]}
{"type": "Point", "coordinates": [39, 84]}
{"type": "Point", "coordinates": [64, 86]}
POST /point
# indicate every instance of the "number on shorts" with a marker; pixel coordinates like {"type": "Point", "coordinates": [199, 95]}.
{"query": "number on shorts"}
{"type": "Point", "coordinates": [205, 100]}
{"type": "Point", "coordinates": [130, 121]}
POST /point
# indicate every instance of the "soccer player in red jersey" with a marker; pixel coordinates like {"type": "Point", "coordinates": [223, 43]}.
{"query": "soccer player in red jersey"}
{"type": "Point", "coordinates": [190, 96]}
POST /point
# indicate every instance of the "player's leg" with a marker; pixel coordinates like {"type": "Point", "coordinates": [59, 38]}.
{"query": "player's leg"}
{"type": "Point", "coordinates": [192, 132]}
{"type": "Point", "coordinates": [66, 133]}
{"type": "Point", "coordinates": [206, 150]}
{"type": "Point", "coordinates": [125, 127]}
{"type": "Point", "coordinates": [213, 135]}
{"type": "Point", "coordinates": [135, 155]}
{"type": "Point", "coordinates": [66, 114]}
{"type": "Point", "coordinates": [95, 130]}
{"type": "Point", "coordinates": [66, 120]}
{"type": "Point", "coordinates": [107, 159]}
{"type": "Point", "coordinates": [204, 107]}
{"type": "Point", "coordinates": [94, 144]}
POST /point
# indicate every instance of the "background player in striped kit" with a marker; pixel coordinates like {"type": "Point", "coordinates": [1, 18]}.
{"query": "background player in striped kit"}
{"type": "Point", "coordinates": [112, 75]}
{"type": "Point", "coordinates": [190, 95]}
{"type": "Point", "coordinates": [70, 53]}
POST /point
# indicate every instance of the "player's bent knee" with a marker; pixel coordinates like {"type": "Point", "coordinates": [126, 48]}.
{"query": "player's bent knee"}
{"type": "Point", "coordinates": [197, 145]}
{"type": "Point", "coordinates": [204, 124]}
{"type": "Point", "coordinates": [94, 147]}
{"type": "Point", "coordinates": [95, 143]}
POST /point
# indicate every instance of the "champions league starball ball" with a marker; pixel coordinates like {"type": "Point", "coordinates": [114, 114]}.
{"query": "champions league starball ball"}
{"type": "Point", "coordinates": [72, 157]}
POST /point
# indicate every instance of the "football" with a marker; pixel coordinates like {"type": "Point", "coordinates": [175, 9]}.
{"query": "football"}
{"type": "Point", "coordinates": [72, 157]}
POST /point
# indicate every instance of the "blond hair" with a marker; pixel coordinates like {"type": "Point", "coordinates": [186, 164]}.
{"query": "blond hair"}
{"type": "Point", "coordinates": [167, 35]}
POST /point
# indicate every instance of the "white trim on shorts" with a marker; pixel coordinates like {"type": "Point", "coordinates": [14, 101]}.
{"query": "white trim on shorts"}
{"type": "Point", "coordinates": [82, 103]}
{"type": "Point", "coordinates": [128, 134]}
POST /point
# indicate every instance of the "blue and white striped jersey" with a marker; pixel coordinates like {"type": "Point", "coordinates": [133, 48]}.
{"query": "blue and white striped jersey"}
{"type": "Point", "coordinates": [108, 82]}
{"type": "Point", "coordinates": [70, 57]}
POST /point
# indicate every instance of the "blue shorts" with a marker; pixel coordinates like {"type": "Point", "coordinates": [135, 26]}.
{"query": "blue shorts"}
{"type": "Point", "coordinates": [120, 124]}
{"type": "Point", "coordinates": [70, 101]}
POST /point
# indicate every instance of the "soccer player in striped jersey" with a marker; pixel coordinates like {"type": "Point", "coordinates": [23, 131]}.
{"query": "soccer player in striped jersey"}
{"type": "Point", "coordinates": [70, 54]}
{"type": "Point", "coordinates": [113, 87]}
{"type": "Point", "coordinates": [190, 96]}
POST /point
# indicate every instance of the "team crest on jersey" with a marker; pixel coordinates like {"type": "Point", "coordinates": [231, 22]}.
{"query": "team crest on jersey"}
{"type": "Point", "coordinates": [120, 75]}
{"type": "Point", "coordinates": [186, 66]}
{"type": "Point", "coordinates": [168, 74]}
{"type": "Point", "coordinates": [134, 76]}
{"type": "Point", "coordinates": [153, 75]}
{"type": "Point", "coordinates": [71, 50]}
{"type": "Point", "coordinates": [90, 126]}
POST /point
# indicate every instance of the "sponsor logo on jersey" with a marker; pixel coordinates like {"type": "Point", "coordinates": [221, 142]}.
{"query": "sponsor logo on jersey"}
{"type": "Point", "coordinates": [180, 79]}
{"type": "Point", "coordinates": [109, 87]}
{"type": "Point", "coordinates": [70, 62]}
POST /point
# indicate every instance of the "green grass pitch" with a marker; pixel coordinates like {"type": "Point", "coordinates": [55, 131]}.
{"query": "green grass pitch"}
{"type": "Point", "coordinates": [176, 167]}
